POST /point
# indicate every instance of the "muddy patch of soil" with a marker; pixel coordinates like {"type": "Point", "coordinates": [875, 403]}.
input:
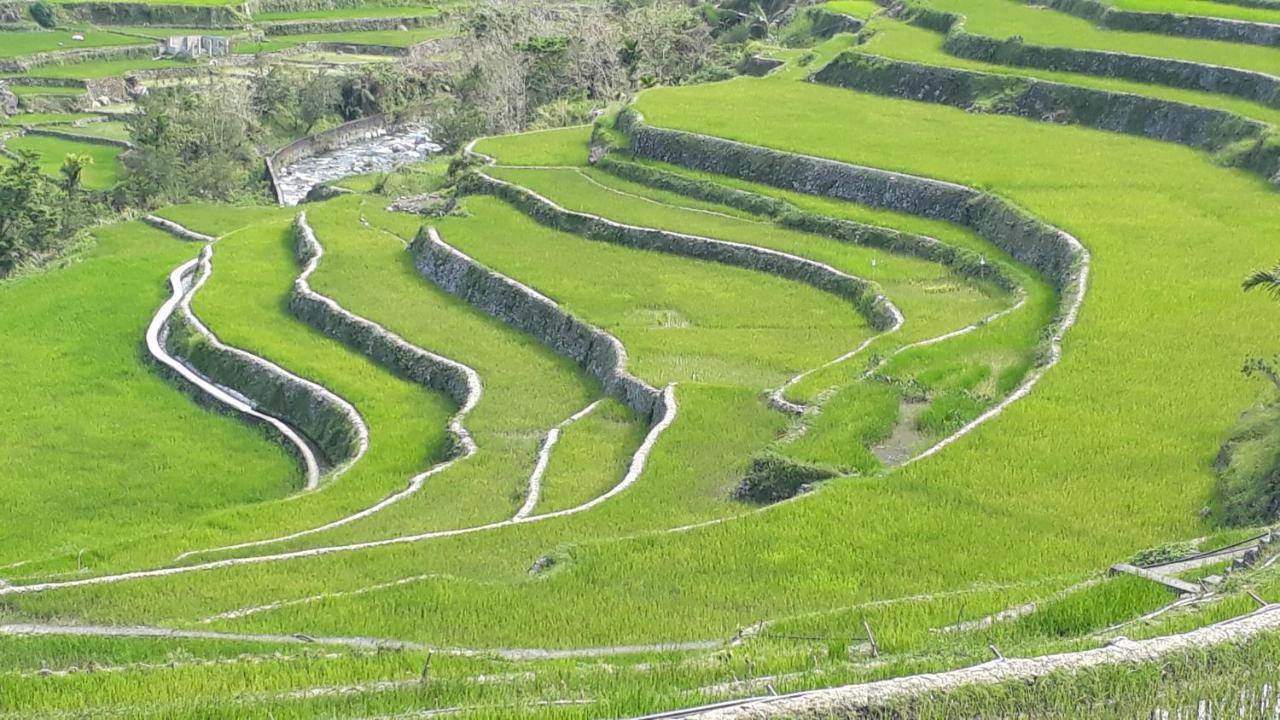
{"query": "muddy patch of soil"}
{"type": "Point", "coordinates": [905, 438]}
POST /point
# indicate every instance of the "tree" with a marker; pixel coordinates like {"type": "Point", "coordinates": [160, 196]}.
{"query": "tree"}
{"type": "Point", "coordinates": [1268, 281]}
{"type": "Point", "coordinates": [73, 165]}
{"type": "Point", "coordinates": [318, 98]}
{"type": "Point", "coordinates": [29, 216]}
{"type": "Point", "coordinates": [193, 141]}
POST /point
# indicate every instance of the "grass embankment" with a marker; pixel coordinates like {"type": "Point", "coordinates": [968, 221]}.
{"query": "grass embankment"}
{"type": "Point", "coordinates": [17, 44]}
{"type": "Point", "coordinates": [102, 174]}
{"type": "Point", "coordinates": [857, 8]}
{"type": "Point", "coordinates": [145, 458]}
{"type": "Point", "coordinates": [43, 119]}
{"type": "Point", "coordinates": [96, 69]}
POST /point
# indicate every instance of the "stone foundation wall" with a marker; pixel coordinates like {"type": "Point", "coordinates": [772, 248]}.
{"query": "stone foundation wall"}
{"type": "Point", "coordinates": [598, 353]}
{"type": "Point", "coordinates": [1238, 141]}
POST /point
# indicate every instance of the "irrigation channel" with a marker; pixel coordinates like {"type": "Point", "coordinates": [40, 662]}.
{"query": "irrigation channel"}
{"type": "Point", "coordinates": [404, 145]}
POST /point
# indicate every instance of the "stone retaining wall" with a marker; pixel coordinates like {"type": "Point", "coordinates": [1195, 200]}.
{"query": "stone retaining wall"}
{"type": "Point", "coordinates": [959, 260]}
{"type": "Point", "coordinates": [758, 65]}
{"type": "Point", "coordinates": [258, 7]}
{"type": "Point", "coordinates": [154, 14]}
{"type": "Point", "coordinates": [1238, 141]}
{"type": "Point", "coordinates": [827, 24]}
{"type": "Point", "coordinates": [92, 140]}
{"type": "Point", "coordinates": [327, 421]}
{"type": "Point", "coordinates": [1255, 86]}
{"type": "Point", "coordinates": [864, 295]}
{"type": "Point", "coordinates": [1167, 23]}
{"type": "Point", "coordinates": [78, 55]}
{"type": "Point", "coordinates": [311, 27]}
{"type": "Point", "coordinates": [1027, 239]}
{"type": "Point", "coordinates": [453, 379]}
{"type": "Point", "coordinates": [178, 231]}
{"type": "Point", "coordinates": [598, 353]}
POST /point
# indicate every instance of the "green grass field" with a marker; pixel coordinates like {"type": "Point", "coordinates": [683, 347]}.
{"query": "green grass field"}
{"type": "Point", "coordinates": [102, 174]}
{"type": "Point", "coordinates": [17, 44]}
{"type": "Point", "coordinates": [673, 592]}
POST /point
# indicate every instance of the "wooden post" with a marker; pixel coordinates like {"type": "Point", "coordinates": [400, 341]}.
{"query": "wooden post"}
{"type": "Point", "coordinates": [426, 668]}
{"type": "Point", "coordinates": [875, 648]}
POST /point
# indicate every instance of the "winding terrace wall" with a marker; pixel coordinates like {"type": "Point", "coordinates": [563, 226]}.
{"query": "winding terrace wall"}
{"type": "Point", "coordinates": [598, 353]}
{"type": "Point", "coordinates": [959, 260]}
{"type": "Point", "coordinates": [1059, 257]}
{"type": "Point", "coordinates": [329, 422]}
{"type": "Point", "coordinates": [1167, 23]}
{"type": "Point", "coordinates": [1255, 86]}
{"type": "Point", "coordinates": [209, 394]}
{"type": "Point", "coordinates": [1238, 141]}
{"type": "Point", "coordinates": [1028, 240]}
{"type": "Point", "coordinates": [457, 381]}
{"type": "Point", "coordinates": [865, 296]}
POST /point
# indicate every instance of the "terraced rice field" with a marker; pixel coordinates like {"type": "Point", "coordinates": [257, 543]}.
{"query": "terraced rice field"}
{"type": "Point", "coordinates": [865, 368]}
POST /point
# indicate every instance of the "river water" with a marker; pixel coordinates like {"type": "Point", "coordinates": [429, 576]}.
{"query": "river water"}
{"type": "Point", "coordinates": [404, 145]}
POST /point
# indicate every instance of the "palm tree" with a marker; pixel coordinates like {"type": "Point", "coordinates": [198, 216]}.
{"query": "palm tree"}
{"type": "Point", "coordinates": [1267, 280]}
{"type": "Point", "coordinates": [73, 165]}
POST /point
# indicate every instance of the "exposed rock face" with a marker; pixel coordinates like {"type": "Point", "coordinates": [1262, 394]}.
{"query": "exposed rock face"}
{"type": "Point", "coordinates": [8, 101]}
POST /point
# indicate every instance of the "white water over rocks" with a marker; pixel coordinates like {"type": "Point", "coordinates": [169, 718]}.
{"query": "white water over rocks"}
{"type": "Point", "coordinates": [404, 145]}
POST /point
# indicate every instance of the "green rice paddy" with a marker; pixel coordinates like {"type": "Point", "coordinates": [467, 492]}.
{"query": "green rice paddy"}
{"type": "Point", "coordinates": [685, 594]}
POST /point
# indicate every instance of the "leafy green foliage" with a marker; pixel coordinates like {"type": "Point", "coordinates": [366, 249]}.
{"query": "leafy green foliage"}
{"type": "Point", "coordinates": [45, 14]}
{"type": "Point", "coordinates": [772, 478]}
{"type": "Point", "coordinates": [192, 143]}
{"type": "Point", "coordinates": [29, 217]}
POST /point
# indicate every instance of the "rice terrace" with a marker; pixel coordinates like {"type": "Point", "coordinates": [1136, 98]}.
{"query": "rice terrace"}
{"type": "Point", "coordinates": [640, 358]}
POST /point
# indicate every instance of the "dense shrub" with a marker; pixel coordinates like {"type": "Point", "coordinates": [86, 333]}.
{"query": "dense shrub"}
{"type": "Point", "coordinates": [45, 14]}
{"type": "Point", "coordinates": [772, 478]}
{"type": "Point", "coordinates": [1248, 469]}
